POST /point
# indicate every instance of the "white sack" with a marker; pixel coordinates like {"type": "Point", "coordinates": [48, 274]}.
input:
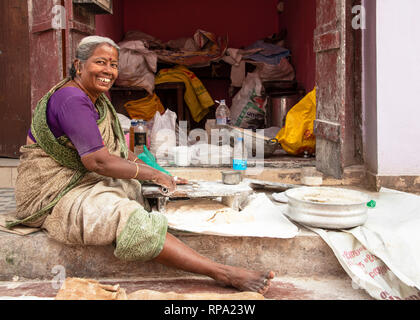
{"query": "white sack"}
{"type": "Point", "coordinates": [383, 255]}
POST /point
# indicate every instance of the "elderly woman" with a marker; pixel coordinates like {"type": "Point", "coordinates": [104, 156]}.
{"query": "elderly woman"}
{"type": "Point", "coordinates": [78, 181]}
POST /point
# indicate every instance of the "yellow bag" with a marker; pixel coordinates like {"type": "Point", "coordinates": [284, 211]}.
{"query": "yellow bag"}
{"type": "Point", "coordinates": [144, 108]}
{"type": "Point", "coordinates": [196, 96]}
{"type": "Point", "coordinates": [297, 136]}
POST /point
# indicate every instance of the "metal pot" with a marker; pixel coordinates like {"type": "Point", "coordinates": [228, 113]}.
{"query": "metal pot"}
{"type": "Point", "coordinates": [324, 207]}
{"type": "Point", "coordinates": [279, 106]}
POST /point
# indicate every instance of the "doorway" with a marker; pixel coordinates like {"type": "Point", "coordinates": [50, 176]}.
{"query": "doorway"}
{"type": "Point", "coordinates": [15, 86]}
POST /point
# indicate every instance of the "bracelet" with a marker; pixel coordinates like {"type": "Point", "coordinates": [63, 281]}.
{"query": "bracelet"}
{"type": "Point", "coordinates": [137, 171]}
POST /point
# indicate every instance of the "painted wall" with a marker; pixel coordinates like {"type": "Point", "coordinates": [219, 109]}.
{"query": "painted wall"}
{"type": "Point", "coordinates": [398, 83]}
{"type": "Point", "coordinates": [369, 90]}
{"type": "Point", "coordinates": [111, 25]}
{"type": "Point", "coordinates": [245, 21]}
{"type": "Point", "coordinates": [299, 18]}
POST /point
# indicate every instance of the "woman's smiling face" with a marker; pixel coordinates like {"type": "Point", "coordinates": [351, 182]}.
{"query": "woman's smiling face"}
{"type": "Point", "coordinates": [100, 71]}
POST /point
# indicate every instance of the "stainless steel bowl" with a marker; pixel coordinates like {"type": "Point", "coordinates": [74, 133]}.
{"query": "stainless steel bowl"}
{"type": "Point", "coordinates": [324, 207]}
{"type": "Point", "coordinates": [231, 177]}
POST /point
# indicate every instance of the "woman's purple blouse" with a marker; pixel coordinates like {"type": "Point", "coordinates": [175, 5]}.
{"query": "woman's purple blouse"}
{"type": "Point", "coordinates": [70, 112]}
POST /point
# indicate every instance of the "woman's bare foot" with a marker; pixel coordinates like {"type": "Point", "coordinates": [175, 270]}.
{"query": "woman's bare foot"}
{"type": "Point", "coordinates": [246, 280]}
{"type": "Point", "coordinates": [177, 255]}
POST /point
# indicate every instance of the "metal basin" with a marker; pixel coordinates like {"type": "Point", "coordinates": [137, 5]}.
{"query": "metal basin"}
{"type": "Point", "coordinates": [330, 208]}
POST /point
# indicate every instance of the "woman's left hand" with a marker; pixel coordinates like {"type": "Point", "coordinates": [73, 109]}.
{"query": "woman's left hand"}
{"type": "Point", "coordinates": [179, 180]}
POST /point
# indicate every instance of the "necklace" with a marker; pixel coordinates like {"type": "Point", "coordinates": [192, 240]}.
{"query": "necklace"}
{"type": "Point", "coordinates": [84, 90]}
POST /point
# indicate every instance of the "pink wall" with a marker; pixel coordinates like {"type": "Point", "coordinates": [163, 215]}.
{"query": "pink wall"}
{"type": "Point", "coordinates": [245, 21]}
{"type": "Point", "coordinates": [111, 26]}
{"type": "Point", "coordinates": [299, 17]}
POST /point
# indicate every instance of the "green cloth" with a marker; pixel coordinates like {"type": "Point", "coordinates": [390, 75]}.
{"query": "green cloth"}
{"type": "Point", "coordinates": [143, 236]}
{"type": "Point", "coordinates": [147, 157]}
{"type": "Point", "coordinates": [58, 148]}
{"type": "Point", "coordinates": [54, 191]}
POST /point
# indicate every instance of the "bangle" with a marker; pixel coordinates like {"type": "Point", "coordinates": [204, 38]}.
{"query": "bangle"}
{"type": "Point", "coordinates": [137, 171]}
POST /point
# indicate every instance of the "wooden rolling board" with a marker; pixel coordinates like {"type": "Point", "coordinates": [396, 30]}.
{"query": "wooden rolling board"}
{"type": "Point", "coordinates": [198, 189]}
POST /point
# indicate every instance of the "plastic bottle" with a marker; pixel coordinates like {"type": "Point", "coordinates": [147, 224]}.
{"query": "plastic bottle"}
{"type": "Point", "coordinates": [222, 113]}
{"type": "Point", "coordinates": [133, 124]}
{"type": "Point", "coordinates": [239, 160]}
{"type": "Point", "coordinates": [138, 136]}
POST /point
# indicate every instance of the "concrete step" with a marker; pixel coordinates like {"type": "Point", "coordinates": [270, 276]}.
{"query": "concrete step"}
{"type": "Point", "coordinates": [35, 256]}
{"type": "Point", "coordinates": [282, 288]}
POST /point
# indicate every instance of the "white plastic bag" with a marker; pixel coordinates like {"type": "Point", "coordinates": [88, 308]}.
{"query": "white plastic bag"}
{"type": "Point", "coordinates": [163, 136]}
{"type": "Point", "coordinates": [248, 105]}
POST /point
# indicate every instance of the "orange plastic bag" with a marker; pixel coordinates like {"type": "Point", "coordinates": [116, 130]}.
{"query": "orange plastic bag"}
{"type": "Point", "coordinates": [144, 108]}
{"type": "Point", "coordinates": [297, 136]}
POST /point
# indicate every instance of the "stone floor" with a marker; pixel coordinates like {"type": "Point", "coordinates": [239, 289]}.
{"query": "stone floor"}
{"type": "Point", "coordinates": [281, 288]}
{"type": "Point", "coordinates": [7, 200]}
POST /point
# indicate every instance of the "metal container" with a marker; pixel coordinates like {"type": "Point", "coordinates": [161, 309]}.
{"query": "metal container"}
{"type": "Point", "coordinates": [330, 208]}
{"type": "Point", "coordinates": [279, 106]}
{"type": "Point", "coordinates": [231, 177]}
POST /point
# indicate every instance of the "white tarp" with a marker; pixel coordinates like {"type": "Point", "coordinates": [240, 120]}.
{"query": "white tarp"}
{"type": "Point", "coordinates": [267, 221]}
{"type": "Point", "coordinates": [383, 255]}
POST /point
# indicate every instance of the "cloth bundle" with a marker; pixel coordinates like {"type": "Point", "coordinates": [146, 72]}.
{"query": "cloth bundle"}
{"type": "Point", "coordinates": [137, 66]}
{"type": "Point", "coordinates": [144, 108]}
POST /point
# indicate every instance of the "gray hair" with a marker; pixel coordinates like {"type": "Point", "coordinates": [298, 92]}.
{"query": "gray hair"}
{"type": "Point", "coordinates": [86, 48]}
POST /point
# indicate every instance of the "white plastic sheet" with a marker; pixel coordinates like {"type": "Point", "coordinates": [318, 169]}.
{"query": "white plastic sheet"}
{"type": "Point", "coordinates": [268, 221]}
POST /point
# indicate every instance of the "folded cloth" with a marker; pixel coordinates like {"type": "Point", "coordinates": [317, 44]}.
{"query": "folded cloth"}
{"type": "Point", "coordinates": [206, 46]}
{"type": "Point", "coordinates": [271, 53]}
{"type": "Point", "coordinates": [144, 108]}
{"type": "Point", "coordinates": [196, 96]}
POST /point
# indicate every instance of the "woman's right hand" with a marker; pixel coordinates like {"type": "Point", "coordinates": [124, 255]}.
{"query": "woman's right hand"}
{"type": "Point", "coordinates": [166, 181]}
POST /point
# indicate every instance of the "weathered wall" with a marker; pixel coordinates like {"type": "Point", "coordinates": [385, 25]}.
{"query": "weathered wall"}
{"type": "Point", "coordinates": [299, 18]}
{"type": "Point", "coordinates": [398, 83]}
{"type": "Point", "coordinates": [369, 94]}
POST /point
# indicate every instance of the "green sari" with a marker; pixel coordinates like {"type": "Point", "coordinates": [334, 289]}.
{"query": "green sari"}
{"type": "Point", "coordinates": [74, 206]}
